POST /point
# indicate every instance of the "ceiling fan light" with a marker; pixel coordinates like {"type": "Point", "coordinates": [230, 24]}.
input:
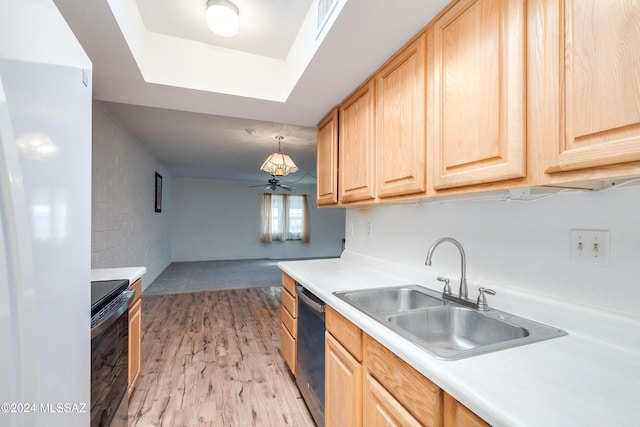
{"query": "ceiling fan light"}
{"type": "Point", "coordinates": [223, 17]}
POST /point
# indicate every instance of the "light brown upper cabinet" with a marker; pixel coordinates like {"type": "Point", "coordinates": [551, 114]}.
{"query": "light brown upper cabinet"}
{"type": "Point", "coordinates": [493, 94]}
{"type": "Point", "coordinates": [327, 160]}
{"type": "Point", "coordinates": [477, 112]}
{"type": "Point", "coordinates": [357, 145]}
{"type": "Point", "coordinates": [586, 84]}
{"type": "Point", "coordinates": [400, 122]}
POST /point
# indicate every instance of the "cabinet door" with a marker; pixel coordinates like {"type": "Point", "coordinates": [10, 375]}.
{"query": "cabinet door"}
{"type": "Point", "coordinates": [457, 415]}
{"type": "Point", "coordinates": [327, 160]}
{"type": "Point", "coordinates": [343, 386]}
{"type": "Point", "coordinates": [381, 409]}
{"type": "Point", "coordinates": [478, 108]}
{"type": "Point", "coordinates": [590, 100]}
{"type": "Point", "coordinates": [357, 155]}
{"type": "Point", "coordinates": [400, 122]}
{"type": "Point", "coordinates": [416, 393]}
{"type": "Point", "coordinates": [135, 336]}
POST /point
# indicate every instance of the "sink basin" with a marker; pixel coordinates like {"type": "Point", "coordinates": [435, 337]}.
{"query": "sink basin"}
{"type": "Point", "coordinates": [445, 329]}
{"type": "Point", "coordinates": [395, 299]}
{"type": "Point", "coordinates": [456, 328]}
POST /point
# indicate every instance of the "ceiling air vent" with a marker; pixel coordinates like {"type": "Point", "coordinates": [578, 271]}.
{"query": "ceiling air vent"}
{"type": "Point", "coordinates": [325, 9]}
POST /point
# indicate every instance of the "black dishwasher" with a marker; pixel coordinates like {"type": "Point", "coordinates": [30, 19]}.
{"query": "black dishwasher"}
{"type": "Point", "coordinates": [310, 352]}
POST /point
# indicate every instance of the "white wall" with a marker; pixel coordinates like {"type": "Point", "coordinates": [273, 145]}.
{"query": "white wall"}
{"type": "Point", "coordinates": [216, 220]}
{"type": "Point", "coordinates": [516, 244]}
{"type": "Point", "coordinates": [126, 231]}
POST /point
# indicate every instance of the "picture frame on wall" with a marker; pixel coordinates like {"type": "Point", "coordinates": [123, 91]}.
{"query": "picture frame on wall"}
{"type": "Point", "coordinates": [158, 192]}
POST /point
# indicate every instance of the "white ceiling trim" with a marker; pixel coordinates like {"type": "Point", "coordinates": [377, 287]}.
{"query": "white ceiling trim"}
{"type": "Point", "coordinates": [177, 62]}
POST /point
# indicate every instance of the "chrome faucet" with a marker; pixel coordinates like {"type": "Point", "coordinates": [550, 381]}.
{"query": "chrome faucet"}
{"type": "Point", "coordinates": [463, 291]}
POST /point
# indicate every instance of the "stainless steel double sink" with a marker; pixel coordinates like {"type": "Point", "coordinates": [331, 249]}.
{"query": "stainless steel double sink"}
{"type": "Point", "coordinates": [445, 329]}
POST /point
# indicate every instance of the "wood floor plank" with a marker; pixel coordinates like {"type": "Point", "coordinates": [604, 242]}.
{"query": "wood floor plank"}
{"type": "Point", "coordinates": [213, 359]}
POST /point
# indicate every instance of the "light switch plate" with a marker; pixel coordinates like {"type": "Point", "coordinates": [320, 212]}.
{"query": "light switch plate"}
{"type": "Point", "coordinates": [590, 246]}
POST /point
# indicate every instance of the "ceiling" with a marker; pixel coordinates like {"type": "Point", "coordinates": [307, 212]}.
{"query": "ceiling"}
{"type": "Point", "coordinates": [268, 28]}
{"type": "Point", "coordinates": [210, 107]}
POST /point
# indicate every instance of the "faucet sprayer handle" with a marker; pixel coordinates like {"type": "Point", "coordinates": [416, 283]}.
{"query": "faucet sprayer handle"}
{"type": "Point", "coordinates": [447, 288]}
{"type": "Point", "coordinates": [482, 298]}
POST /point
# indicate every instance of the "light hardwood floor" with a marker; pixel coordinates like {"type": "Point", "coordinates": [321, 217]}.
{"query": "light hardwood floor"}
{"type": "Point", "coordinates": [213, 359]}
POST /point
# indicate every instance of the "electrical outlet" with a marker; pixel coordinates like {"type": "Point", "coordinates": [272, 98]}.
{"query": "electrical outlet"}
{"type": "Point", "coordinates": [350, 229]}
{"type": "Point", "coordinates": [589, 246]}
{"type": "Point", "coordinates": [369, 229]}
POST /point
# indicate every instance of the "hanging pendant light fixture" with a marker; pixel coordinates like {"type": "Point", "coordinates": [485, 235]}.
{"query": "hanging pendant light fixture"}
{"type": "Point", "coordinates": [279, 164]}
{"type": "Point", "coordinates": [223, 17]}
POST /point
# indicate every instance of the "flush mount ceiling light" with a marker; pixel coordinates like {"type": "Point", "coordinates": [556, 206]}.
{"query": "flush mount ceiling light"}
{"type": "Point", "coordinates": [223, 17]}
{"type": "Point", "coordinates": [279, 164]}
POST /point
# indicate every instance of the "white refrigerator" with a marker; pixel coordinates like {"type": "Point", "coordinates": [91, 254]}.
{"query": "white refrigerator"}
{"type": "Point", "coordinates": [45, 219]}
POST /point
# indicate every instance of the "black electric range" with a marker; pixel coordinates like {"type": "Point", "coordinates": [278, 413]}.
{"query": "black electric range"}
{"type": "Point", "coordinates": [103, 291]}
{"type": "Point", "coordinates": [110, 300]}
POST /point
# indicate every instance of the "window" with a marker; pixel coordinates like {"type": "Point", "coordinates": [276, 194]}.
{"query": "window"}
{"type": "Point", "coordinates": [284, 217]}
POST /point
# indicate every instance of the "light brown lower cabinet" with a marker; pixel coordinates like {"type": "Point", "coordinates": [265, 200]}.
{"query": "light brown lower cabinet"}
{"type": "Point", "coordinates": [343, 386]}
{"type": "Point", "coordinates": [343, 372]}
{"type": "Point", "coordinates": [289, 326]}
{"type": "Point", "coordinates": [366, 384]}
{"type": "Point", "coordinates": [419, 396]}
{"type": "Point", "coordinates": [458, 415]}
{"type": "Point", "coordinates": [382, 409]}
{"type": "Point", "coordinates": [288, 347]}
{"type": "Point", "coordinates": [135, 336]}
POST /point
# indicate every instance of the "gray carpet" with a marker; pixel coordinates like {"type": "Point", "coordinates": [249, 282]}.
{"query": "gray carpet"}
{"type": "Point", "coordinates": [184, 277]}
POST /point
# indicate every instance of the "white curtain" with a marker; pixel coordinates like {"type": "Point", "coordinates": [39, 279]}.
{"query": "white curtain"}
{"type": "Point", "coordinates": [306, 225]}
{"type": "Point", "coordinates": [297, 224]}
{"type": "Point", "coordinates": [265, 219]}
{"type": "Point", "coordinates": [284, 217]}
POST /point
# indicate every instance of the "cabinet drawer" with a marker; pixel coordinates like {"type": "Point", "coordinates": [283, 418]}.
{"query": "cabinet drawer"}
{"type": "Point", "coordinates": [137, 288]}
{"type": "Point", "coordinates": [288, 347]}
{"type": "Point", "coordinates": [289, 283]}
{"type": "Point", "coordinates": [290, 323]}
{"type": "Point", "coordinates": [421, 397]}
{"type": "Point", "coordinates": [289, 303]}
{"type": "Point", "coordinates": [382, 409]}
{"type": "Point", "coordinates": [457, 415]}
{"type": "Point", "coordinates": [348, 334]}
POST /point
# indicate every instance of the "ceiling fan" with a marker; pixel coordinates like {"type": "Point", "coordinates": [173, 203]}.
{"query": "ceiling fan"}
{"type": "Point", "coordinates": [273, 184]}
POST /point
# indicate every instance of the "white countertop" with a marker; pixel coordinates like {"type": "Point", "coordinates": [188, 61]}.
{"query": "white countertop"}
{"type": "Point", "coordinates": [575, 380]}
{"type": "Point", "coordinates": [130, 273]}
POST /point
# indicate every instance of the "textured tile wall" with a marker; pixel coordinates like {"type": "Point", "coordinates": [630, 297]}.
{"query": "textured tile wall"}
{"type": "Point", "coordinates": [126, 231]}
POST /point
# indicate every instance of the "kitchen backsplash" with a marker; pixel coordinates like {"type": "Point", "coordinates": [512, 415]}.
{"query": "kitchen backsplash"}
{"type": "Point", "coordinates": [519, 244]}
